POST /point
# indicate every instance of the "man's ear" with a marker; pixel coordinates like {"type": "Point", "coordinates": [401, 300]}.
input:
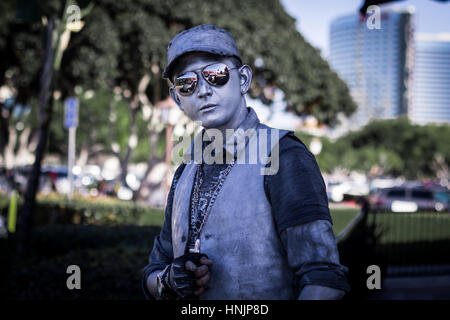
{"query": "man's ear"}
{"type": "Point", "coordinates": [174, 95]}
{"type": "Point", "coordinates": [245, 73]}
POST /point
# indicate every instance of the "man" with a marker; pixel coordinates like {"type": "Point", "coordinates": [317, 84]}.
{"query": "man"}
{"type": "Point", "coordinates": [232, 230]}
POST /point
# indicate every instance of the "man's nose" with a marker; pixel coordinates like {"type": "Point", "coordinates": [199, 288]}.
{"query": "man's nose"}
{"type": "Point", "coordinates": [204, 88]}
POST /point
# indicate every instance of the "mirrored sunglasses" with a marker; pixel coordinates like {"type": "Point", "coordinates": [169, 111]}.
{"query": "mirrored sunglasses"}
{"type": "Point", "coordinates": [216, 74]}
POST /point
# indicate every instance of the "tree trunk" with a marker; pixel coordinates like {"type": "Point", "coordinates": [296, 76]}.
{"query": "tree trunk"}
{"type": "Point", "coordinates": [4, 132]}
{"type": "Point", "coordinates": [46, 109]}
{"type": "Point", "coordinates": [152, 160]}
{"type": "Point", "coordinates": [135, 104]}
{"type": "Point", "coordinates": [124, 162]}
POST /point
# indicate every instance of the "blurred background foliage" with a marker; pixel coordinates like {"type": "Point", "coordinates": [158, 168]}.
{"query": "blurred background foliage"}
{"type": "Point", "coordinates": [388, 147]}
{"type": "Point", "coordinates": [123, 45]}
{"type": "Point", "coordinates": [121, 42]}
{"type": "Point", "coordinates": [114, 65]}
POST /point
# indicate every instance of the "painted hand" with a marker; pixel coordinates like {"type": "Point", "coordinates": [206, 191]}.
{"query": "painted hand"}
{"type": "Point", "coordinates": [188, 273]}
{"type": "Point", "coordinates": [201, 273]}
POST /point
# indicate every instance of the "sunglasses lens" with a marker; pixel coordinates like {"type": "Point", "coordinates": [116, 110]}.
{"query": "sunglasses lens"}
{"type": "Point", "coordinates": [216, 74]}
{"type": "Point", "coordinates": [186, 83]}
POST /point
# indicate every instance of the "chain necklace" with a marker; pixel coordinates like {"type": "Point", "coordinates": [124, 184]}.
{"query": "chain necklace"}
{"type": "Point", "coordinates": [195, 200]}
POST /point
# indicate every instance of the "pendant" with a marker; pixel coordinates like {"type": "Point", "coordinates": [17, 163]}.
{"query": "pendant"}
{"type": "Point", "coordinates": [196, 246]}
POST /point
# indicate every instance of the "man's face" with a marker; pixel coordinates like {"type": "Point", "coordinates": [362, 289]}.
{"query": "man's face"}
{"type": "Point", "coordinates": [214, 106]}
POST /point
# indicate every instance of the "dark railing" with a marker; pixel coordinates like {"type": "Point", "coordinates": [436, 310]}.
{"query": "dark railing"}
{"type": "Point", "coordinates": [411, 244]}
{"type": "Point", "coordinates": [401, 244]}
{"type": "Point", "coordinates": [355, 244]}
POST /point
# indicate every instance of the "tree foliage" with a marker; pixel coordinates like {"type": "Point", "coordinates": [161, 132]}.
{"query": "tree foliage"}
{"type": "Point", "coordinates": [121, 52]}
{"type": "Point", "coordinates": [121, 41]}
{"type": "Point", "coordinates": [393, 147]}
{"type": "Point", "coordinates": [417, 146]}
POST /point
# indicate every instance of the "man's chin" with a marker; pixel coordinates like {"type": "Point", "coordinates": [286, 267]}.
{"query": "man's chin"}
{"type": "Point", "coordinates": [212, 122]}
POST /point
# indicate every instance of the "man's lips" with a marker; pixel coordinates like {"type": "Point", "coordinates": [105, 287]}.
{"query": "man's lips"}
{"type": "Point", "coordinates": [208, 106]}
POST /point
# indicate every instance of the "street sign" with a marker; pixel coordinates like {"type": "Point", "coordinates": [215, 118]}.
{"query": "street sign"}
{"type": "Point", "coordinates": [71, 122]}
{"type": "Point", "coordinates": [71, 114]}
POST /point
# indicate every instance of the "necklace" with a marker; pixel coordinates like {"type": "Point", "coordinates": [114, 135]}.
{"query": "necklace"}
{"type": "Point", "coordinates": [195, 200]}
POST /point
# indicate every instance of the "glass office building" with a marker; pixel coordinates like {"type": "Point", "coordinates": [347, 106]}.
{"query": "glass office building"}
{"type": "Point", "coordinates": [375, 63]}
{"type": "Point", "coordinates": [431, 99]}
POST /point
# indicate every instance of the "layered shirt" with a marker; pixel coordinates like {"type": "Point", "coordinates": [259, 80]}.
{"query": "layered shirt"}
{"type": "Point", "coordinates": [299, 203]}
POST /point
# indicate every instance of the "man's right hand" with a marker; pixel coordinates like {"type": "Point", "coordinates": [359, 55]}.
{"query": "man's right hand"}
{"type": "Point", "coordinates": [201, 273]}
{"type": "Point", "coordinates": [189, 274]}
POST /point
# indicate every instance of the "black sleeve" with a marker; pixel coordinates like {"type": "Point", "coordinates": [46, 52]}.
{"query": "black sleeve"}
{"type": "Point", "coordinates": [297, 192]}
{"type": "Point", "coordinates": [162, 252]}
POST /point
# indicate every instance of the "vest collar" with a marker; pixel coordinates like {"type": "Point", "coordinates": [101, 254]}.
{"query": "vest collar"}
{"type": "Point", "coordinates": [232, 144]}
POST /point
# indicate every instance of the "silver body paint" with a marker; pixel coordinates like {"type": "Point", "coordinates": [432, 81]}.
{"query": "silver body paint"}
{"type": "Point", "coordinates": [318, 245]}
{"type": "Point", "coordinates": [239, 236]}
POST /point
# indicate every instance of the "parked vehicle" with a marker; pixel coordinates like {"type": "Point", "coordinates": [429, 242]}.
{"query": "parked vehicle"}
{"type": "Point", "coordinates": [404, 199]}
{"type": "Point", "coordinates": [337, 191]}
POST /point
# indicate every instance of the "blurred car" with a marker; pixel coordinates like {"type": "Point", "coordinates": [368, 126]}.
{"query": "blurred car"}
{"type": "Point", "coordinates": [337, 191]}
{"type": "Point", "coordinates": [403, 199]}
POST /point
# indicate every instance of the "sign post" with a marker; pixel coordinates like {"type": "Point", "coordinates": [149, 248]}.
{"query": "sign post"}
{"type": "Point", "coordinates": [12, 212]}
{"type": "Point", "coordinates": [71, 122]}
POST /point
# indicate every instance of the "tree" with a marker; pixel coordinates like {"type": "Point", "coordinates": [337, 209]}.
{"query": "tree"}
{"type": "Point", "coordinates": [417, 146]}
{"type": "Point", "coordinates": [394, 147]}
{"type": "Point", "coordinates": [122, 48]}
{"type": "Point", "coordinates": [56, 34]}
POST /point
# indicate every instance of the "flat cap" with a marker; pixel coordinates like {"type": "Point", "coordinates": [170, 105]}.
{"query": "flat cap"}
{"type": "Point", "coordinates": [203, 38]}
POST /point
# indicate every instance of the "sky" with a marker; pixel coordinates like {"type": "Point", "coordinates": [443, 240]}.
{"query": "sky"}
{"type": "Point", "coordinates": [314, 17]}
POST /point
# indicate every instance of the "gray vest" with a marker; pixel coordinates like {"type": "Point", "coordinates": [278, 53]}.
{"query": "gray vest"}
{"type": "Point", "coordinates": [239, 235]}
